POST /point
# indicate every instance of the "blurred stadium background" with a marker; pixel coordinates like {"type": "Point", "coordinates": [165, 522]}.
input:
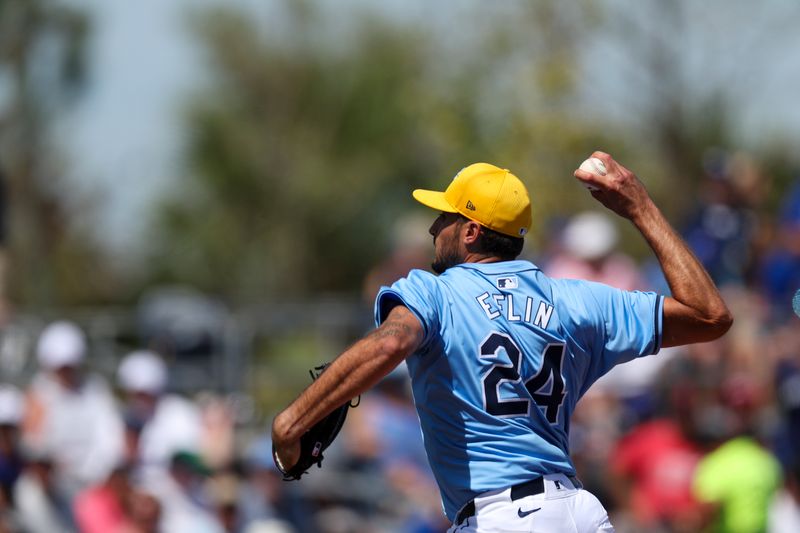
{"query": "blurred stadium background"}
{"type": "Point", "coordinates": [227, 184]}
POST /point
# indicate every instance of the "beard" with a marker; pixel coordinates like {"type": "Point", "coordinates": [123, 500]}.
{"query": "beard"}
{"type": "Point", "coordinates": [445, 260]}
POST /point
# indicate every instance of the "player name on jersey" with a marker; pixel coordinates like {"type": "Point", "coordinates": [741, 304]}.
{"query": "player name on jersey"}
{"type": "Point", "coordinates": [496, 305]}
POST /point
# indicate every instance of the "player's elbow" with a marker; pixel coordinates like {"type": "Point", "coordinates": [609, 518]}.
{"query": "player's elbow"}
{"type": "Point", "coordinates": [718, 324]}
{"type": "Point", "coordinates": [393, 347]}
{"type": "Point", "coordinates": [713, 320]}
{"type": "Point", "coordinates": [724, 322]}
{"type": "Point", "coordinates": [685, 324]}
{"type": "Point", "coordinates": [281, 428]}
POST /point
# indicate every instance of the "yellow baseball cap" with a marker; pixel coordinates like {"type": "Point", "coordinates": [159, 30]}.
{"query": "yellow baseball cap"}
{"type": "Point", "coordinates": [491, 196]}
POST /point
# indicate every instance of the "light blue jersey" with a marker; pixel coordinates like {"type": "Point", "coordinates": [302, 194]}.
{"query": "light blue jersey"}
{"type": "Point", "coordinates": [506, 355]}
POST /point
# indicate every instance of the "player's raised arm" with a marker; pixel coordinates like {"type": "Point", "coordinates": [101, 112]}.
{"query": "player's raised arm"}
{"type": "Point", "coordinates": [356, 370]}
{"type": "Point", "coordinates": [696, 311]}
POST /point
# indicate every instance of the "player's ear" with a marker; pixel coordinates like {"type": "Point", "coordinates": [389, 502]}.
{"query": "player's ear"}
{"type": "Point", "coordinates": [471, 232]}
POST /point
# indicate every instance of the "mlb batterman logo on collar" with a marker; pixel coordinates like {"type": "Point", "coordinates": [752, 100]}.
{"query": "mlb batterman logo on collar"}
{"type": "Point", "coordinates": [489, 195]}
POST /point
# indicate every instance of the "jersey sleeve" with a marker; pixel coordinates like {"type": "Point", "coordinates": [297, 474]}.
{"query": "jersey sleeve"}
{"type": "Point", "coordinates": [419, 293]}
{"type": "Point", "coordinates": [615, 325]}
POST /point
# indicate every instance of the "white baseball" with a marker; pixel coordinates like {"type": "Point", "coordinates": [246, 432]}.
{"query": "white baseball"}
{"type": "Point", "coordinates": [593, 166]}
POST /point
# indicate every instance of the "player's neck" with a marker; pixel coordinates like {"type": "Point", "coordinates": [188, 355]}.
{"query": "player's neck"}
{"type": "Point", "coordinates": [481, 258]}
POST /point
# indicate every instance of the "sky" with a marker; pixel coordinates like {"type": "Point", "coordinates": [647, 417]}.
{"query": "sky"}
{"type": "Point", "coordinates": [124, 139]}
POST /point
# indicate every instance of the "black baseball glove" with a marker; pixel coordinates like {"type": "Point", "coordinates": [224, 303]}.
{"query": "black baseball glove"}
{"type": "Point", "coordinates": [317, 439]}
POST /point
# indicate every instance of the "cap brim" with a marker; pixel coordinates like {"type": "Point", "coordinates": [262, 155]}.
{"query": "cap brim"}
{"type": "Point", "coordinates": [434, 200]}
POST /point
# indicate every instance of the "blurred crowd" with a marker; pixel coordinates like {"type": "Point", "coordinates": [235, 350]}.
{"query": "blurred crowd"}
{"type": "Point", "coordinates": [78, 453]}
{"type": "Point", "coordinates": [701, 438]}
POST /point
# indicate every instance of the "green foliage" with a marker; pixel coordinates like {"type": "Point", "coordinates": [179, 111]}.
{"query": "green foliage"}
{"type": "Point", "coordinates": [306, 149]}
{"type": "Point", "coordinates": [50, 262]}
{"type": "Point", "coordinates": [303, 153]}
{"type": "Point", "coordinates": [290, 157]}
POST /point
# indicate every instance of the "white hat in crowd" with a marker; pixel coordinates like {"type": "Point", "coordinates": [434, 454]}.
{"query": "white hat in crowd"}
{"type": "Point", "coordinates": [61, 343]}
{"type": "Point", "coordinates": [590, 235]}
{"type": "Point", "coordinates": [12, 405]}
{"type": "Point", "coordinates": [142, 371]}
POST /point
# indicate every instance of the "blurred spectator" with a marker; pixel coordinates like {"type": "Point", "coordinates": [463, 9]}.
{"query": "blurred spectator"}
{"type": "Point", "coordinates": [588, 252]}
{"type": "Point", "coordinates": [42, 508]}
{"type": "Point", "coordinates": [737, 478]}
{"type": "Point", "coordinates": [71, 412]}
{"type": "Point", "coordinates": [737, 481]}
{"type": "Point", "coordinates": [386, 428]}
{"type": "Point", "coordinates": [11, 463]}
{"type": "Point", "coordinates": [182, 493]}
{"type": "Point", "coordinates": [595, 427]}
{"type": "Point", "coordinates": [217, 420]}
{"type": "Point", "coordinates": [636, 385]}
{"type": "Point", "coordinates": [102, 508]}
{"type": "Point", "coordinates": [787, 389]}
{"type": "Point", "coordinates": [11, 460]}
{"type": "Point", "coordinates": [779, 273]}
{"type": "Point", "coordinates": [784, 513]}
{"type": "Point", "coordinates": [383, 437]}
{"type": "Point", "coordinates": [144, 512]}
{"type": "Point", "coordinates": [722, 227]}
{"type": "Point", "coordinates": [161, 424]}
{"type": "Point", "coordinates": [656, 463]}
{"type": "Point", "coordinates": [266, 498]}
{"type": "Point", "coordinates": [268, 526]}
{"type": "Point", "coordinates": [224, 492]}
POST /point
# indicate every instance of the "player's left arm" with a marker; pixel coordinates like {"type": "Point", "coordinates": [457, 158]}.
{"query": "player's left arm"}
{"type": "Point", "coordinates": [352, 373]}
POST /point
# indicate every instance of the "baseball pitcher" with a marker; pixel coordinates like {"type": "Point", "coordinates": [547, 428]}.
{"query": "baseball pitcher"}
{"type": "Point", "coordinates": [499, 354]}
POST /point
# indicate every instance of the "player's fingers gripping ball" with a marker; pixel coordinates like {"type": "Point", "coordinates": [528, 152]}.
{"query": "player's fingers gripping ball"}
{"type": "Point", "coordinates": [594, 166]}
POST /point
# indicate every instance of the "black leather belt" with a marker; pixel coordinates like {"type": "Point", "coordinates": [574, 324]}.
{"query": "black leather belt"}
{"type": "Point", "coordinates": [528, 488]}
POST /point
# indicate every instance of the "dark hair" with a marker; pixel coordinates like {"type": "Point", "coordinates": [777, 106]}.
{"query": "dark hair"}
{"type": "Point", "coordinates": [497, 244]}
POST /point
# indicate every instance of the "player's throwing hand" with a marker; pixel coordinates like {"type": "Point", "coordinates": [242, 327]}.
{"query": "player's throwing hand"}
{"type": "Point", "coordinates": [618, 189]}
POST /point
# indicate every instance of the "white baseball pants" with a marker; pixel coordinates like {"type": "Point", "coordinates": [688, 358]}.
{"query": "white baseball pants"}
{"type": "Point", "coordinates": [561, 508]}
